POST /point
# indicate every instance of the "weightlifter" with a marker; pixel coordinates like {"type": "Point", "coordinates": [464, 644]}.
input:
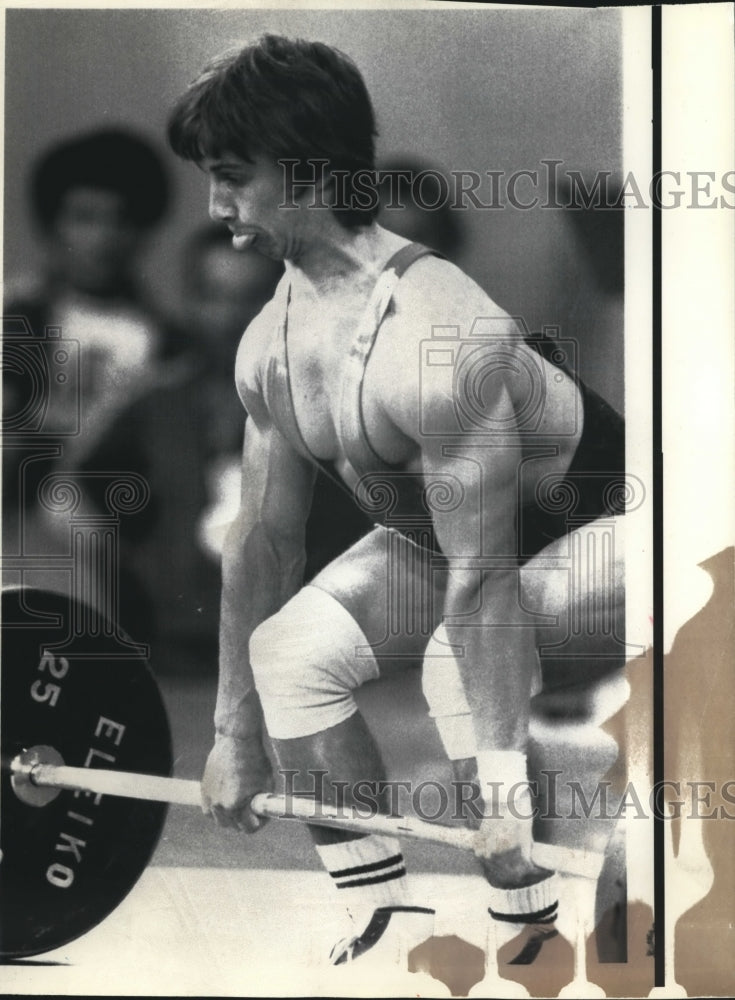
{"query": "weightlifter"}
{"type": "Point", "coordinates": [454, 445]}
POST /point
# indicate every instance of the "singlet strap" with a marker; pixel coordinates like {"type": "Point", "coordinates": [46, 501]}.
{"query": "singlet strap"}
{"type": "Point", "coordinates": [353, 436]}
{"type": "Point", "coordinates": [402, 259]}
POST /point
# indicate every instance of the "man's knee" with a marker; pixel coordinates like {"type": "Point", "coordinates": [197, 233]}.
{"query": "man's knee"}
{"type": "Point", "coordinates": [276, 656]}
{"type": "Point", "coordinates": [307, 660]}
{"type": "Point", "coordinates": [441, 682]}
{"type": "Point", "coordinates": [445, 694]}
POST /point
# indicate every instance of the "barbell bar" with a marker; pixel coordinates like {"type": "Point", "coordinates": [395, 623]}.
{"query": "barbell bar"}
{"type": "Point", "coordinates": [37, 770]}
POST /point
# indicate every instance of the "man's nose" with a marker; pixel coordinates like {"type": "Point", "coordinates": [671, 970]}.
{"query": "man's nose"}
{"type": "Point", "coordinates": [221, 206]}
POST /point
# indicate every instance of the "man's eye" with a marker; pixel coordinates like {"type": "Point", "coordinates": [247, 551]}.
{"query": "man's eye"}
{"type": "Point", "coordinates": [235, 179]}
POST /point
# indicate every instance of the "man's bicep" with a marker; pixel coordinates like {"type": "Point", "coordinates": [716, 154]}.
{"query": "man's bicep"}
{"type": "Point", "coordinates": [277, 482]}
{"type": "Point", "coordinates": [474, 483]}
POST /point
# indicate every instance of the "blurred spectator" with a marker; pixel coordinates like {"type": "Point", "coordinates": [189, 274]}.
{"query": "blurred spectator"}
{"type": "Point", "coordinates": [415, 185]}
{"type": "Point", "coordinates": [95, 198]}
{"type": "Point", "coordinates": [600, 231]}
{"type": "Point", "coordinates": [596, 317]}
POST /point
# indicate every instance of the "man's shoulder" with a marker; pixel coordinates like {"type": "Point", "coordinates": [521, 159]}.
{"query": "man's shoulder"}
{"type": "Point", "coordinates": [435, 310]}
{"type": "Point", "coordinates": [435, 298]}
{"type": "Point", "coordinates": [434, 292]}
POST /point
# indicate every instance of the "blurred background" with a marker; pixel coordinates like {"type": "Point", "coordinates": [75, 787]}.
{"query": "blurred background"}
{"type": "Point", "coordinates": [463, 90]}
{"type": "Point", "coordinates": [473, 90]}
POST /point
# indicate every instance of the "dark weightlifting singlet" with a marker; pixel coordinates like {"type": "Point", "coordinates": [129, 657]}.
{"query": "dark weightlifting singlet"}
{"type": "Point", "coordinates": [390, 496]}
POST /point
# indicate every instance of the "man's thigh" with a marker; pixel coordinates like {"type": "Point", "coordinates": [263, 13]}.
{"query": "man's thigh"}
{"type": "Point", "coordinates": [395, 592]}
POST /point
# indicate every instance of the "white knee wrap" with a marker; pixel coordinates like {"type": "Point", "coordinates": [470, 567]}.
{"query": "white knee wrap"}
{"type": "Point", "coordinates": [445, 694]}
{"type": "Point", "coordinates": [307, 660]}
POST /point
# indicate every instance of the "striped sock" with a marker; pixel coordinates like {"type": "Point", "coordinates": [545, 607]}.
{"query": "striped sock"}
{"type": "Point", "coordinates": [368, 872]}
{"type": "Point", "coordinates": [533, 904]}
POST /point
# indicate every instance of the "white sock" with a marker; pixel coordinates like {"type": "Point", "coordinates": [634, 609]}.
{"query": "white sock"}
{"type": "Point", "coordinates": [538, 903]}
{"type": "Point", "coordinates": [368, 872]}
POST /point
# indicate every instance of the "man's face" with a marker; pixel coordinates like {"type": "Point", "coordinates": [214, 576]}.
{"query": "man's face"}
{"type": "Point", "coordinates": [246, 197]}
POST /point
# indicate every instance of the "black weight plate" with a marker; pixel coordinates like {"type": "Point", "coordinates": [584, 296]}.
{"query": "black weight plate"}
{"type": "Point", "coordinates": [76, 686]}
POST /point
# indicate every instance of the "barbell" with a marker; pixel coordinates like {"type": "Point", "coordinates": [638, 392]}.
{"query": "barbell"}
{"type": "Point", "coordinates": [77, 833]}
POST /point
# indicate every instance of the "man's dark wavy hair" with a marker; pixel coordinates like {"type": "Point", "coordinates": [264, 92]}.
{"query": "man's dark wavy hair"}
{"type": "Point", "coordinates": [286, 99]}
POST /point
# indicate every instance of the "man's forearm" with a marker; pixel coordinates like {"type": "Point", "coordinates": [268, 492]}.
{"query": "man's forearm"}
{"type": "Point", "coordinates": [499, 660]}
{"type": "Point", "coordinates": [259, 574]}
